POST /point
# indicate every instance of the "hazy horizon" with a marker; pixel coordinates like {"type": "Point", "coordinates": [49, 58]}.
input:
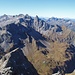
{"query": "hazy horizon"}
{"type": "Point", "coordinates": [42, 8]}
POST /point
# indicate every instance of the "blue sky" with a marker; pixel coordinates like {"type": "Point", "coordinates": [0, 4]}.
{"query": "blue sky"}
{"type": "Point", "coordinates": [42, 8]}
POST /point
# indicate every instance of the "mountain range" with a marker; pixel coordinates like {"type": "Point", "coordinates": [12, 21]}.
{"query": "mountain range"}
{"type": "Point", "coordinates": [36, 46]}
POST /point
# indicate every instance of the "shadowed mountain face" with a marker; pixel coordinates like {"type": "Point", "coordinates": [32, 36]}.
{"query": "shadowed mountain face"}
{"type": "Point", "coordinates": [33, 46]}
{"type": "Point", "coordinates": [15, 63]}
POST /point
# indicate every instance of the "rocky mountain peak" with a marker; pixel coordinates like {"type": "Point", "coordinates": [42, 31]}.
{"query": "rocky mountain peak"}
{"type": "Point", "coordinates": [27, 16]}
{"type": "Point", "coordinates": [36, 18]}
{"type": "Point", "coordinates": [4, 17]}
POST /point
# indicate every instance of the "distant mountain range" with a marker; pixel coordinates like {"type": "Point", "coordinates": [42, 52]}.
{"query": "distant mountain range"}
{"type": "Point", "coordinates": [36, 46]}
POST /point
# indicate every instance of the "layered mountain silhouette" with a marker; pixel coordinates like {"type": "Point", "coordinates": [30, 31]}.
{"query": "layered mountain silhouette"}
{"type": "Point", "coordinates": [36, 46]}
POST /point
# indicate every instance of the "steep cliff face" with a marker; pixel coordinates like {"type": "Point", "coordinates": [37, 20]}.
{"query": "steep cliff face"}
{"type": "Point", "coordinates": [32, 46]}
